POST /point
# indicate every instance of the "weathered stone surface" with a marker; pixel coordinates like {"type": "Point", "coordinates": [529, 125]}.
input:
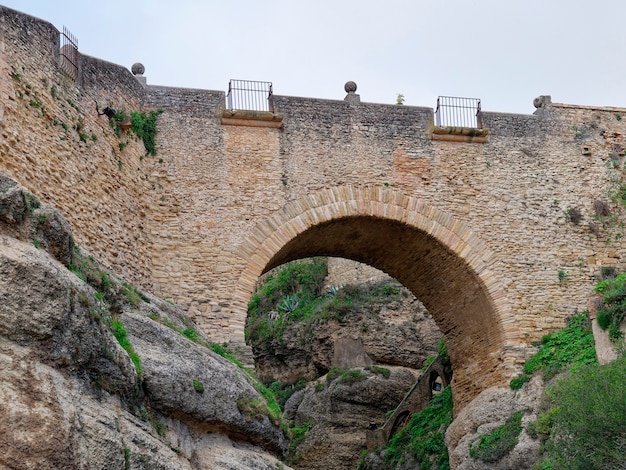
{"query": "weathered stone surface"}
{"type": "Point", "coordinates": [170, 364]}
{"type": "Point", "coordinates": [70, 396]}
{"type": "Point", "coordinates": [341, 413]}
{"type": "Point", "coordinates": [23, 216]}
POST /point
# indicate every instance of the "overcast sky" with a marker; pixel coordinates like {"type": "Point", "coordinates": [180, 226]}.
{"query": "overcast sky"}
{"type": "Point", "coordinates": [503, 52]}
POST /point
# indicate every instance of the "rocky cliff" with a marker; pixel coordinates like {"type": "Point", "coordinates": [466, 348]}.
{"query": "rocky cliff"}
{"type": "Point", "coordinates": [357, 336]}
{"type": "Point", "coordinates": [99, 375]}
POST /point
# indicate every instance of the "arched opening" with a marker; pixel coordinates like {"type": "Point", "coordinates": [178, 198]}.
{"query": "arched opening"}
{"type": "Point", "coordinates": [401, 420]}
{"type": "Point", "coordinates": [437, 258]}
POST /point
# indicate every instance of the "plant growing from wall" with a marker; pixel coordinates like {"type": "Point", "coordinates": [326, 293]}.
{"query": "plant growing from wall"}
{"type": "Point", "coordinates": [144, 127]}
{"type": "Point", "coordinates": [613, 309]}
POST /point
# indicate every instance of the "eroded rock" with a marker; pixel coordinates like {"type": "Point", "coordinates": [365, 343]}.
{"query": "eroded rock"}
{"type": "Point", "coordinates": [70, 395]}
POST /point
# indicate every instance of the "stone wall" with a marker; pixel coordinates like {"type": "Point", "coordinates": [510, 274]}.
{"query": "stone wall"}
{"type": "Point", "coordinates": [221, 203]}
{"type": "Point", "coordinates": [55, 144]}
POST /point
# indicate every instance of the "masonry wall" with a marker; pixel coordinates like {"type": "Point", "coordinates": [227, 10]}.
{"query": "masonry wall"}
{"type": "Point", "coordinates": [172, 223]}
{"type": "Point", "coordinates": [54, 143]}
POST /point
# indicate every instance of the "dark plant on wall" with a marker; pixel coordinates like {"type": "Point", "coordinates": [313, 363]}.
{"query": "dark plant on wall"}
{"type": "Point", "coordinates": [574, 215]}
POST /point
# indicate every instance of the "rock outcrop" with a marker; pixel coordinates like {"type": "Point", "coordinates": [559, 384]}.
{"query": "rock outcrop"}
{"type": "Point", "coordinates": [486, 412]}
{"type": "Point", "coordinates": [399, 333]}
{"type": "Point", "coordinates": [340, 410]}
{"type": "Point", "coordinates": [105, 379]}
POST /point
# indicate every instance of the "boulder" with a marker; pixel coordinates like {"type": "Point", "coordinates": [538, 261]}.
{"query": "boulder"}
{"type": "Point", "coordinates": [340, 411]}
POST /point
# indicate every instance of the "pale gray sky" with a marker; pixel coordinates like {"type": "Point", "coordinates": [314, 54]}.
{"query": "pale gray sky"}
{"type": "Point", "coordinates": [504, 52]}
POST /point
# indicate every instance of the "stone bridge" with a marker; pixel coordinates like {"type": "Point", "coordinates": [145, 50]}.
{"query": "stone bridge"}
{"type": "Point", "coordinates": [499, 231]}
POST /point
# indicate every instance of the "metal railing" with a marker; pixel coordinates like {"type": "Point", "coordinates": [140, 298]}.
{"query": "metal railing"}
{"type": "Point", "coordinates": [458, 112]}
{"type": "Point", "coordinates": [250, 95]}
{"type": "Point", "coordinates": [68, 58]}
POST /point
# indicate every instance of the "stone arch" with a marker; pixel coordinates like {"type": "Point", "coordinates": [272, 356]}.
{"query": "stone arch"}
{"type": "Point", "coordinates": [439, 258]}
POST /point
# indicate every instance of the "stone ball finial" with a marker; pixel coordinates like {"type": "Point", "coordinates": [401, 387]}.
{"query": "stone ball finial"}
{"type": "Point", "coordinates": [350, 87]}
{"type": "Point", "coordinates": [137, 69]}
{"type": "Point", "coordinates": [542, 101]}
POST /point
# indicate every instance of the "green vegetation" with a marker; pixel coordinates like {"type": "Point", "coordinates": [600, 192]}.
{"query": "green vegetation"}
{"type": "Point", "coordinates": [252, 408]}
{"type": "Point", "coordinates": [296, 436]}
{"type": "Point", "coordinates": [422, 437]}
{"type": "Point", "coordinates": [495, 445]}
{"type": "Point", "coordinates": [192, 334]}
{"type": "Point", "coordinates": [126, 458]}
{"type": "Point", "coordinates": [86, 268]}
{"type": "Point", "coordinates": [333, 373]}
{"type": "Point", "coordinates": [379, 370]}
{"type": "Point", "coordinates": [611, 314]}
{"type": "Point", "coordinates": [293, 296]}
{"type": "Point", "coordinates": [352, 376]}
{"type": "Point", "coordinates": [582, 423]}
{"type": "Point", "coordinates": [572, 346]}
{"type": "Point", "coordinates": [121, 335]}
{"type": "Point", "coordinates": [144, 127]}
{"type": "Point", "coordinates": [198, 386]}
{"type": "Point", "coordinates": [282, 394]}
{"type": "Point", "coordinates": [133, 296]}
{"type": "Point", "coordinates": [141, 124]}
{"type": "Point", "coordinates": [583, 428]}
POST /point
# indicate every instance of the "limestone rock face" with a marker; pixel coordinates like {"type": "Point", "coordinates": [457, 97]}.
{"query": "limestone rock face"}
{"type": "Point", "coordinates": [487, 411]}
{"type": "Point", "coordinates": [397, 333]}
{"type": "Point", "coordinates": [23, 216]}
{"type": "Point", "coordinates": [70, 394]}
{"type": "Point", "coordinates": [341, 412]}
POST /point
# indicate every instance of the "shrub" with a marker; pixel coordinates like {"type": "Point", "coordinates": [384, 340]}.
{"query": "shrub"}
{"type": "Point", "coordinates": [586, 419]}
{"type": "Point", "coordinates": [495, 445]}
{"type": "Point", "coordinates": [334, 373]}
{"type": "Point", "coordinates": [191, 334]}
{"type": "Point", "coordinates": [379, 370]}
{"type": "Point", "coordinates": [573, 344]}
{"type": "Point", "coordinates": [283, 394]}
{"type": "Point", "coordinates": [296, 436]}
{"type": "Point", "coordinates": [252, 408]}
{"type": "Point", "coordinates": [517, 382]}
